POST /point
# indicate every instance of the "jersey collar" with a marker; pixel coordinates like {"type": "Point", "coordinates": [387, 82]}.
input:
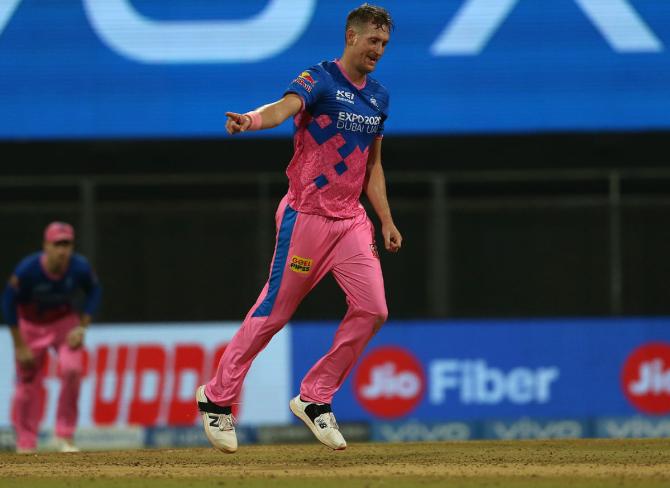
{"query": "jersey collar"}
{"type": "Point", "coordinates": [344, 73]}
{"type": "Point", "coordinates": [47, 273]}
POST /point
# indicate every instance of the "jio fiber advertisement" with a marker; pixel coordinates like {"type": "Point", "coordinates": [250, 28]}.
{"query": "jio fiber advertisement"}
{"type": "Point", "coordinates": [479, 370]}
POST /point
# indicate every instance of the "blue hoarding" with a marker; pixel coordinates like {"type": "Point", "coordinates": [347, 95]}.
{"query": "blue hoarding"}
{"type": "Point", "coordinates": [149, 68]}
{"type": "Point", "coordinates": [478, 370]}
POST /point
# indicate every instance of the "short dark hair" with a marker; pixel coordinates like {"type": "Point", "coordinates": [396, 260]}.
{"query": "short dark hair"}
{"type": "Point", "coordinates": [367, 13]}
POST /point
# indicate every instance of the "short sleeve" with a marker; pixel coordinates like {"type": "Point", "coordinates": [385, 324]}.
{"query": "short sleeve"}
{"type": "Point", "coordinates": [380, 128]}
{"type": "Point", "coordinates": [87, 277]}
{"type": "Point", "coordinates": [385, 114]}
{"type": "Point", "coordinates": [308, 85]}
{"type": "Point", "coordinates": [88, 281]}
{"type": "Point", "coordinates": [25, 268]}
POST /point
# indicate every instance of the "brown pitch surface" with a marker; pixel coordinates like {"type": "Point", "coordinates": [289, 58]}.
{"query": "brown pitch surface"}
{"type": "Point", "coordinates": [574, 463]}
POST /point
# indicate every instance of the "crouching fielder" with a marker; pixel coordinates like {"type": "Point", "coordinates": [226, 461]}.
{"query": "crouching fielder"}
{"type": "Point", "coordinates": [38, 305]}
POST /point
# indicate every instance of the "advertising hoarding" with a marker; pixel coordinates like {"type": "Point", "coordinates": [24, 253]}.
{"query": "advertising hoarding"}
{"type": "Point", "coordinates": [464, 370]}
{"type": "Point", "coordinates": [148, 68]}
{"type": "Point", "coordinates": [146, 375]}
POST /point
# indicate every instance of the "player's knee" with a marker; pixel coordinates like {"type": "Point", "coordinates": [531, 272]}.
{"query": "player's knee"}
{"type": "Point", "coordinates": [381, 312]}
{"type": "Point", "coordinates": [30, 377]}
{"type": "Point", "coordinates": [271, 324]}
{"type": "Point", "coordinates": [378, 315]}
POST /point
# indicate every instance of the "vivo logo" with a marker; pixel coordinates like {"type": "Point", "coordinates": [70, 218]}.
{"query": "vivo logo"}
{"type": "Point", "coordinates": [634, 428]}
{"type": "Point", "coordinates": [417, 432]}
{"type": "Point", "coordinates": [477, 21]}
{"type": "Point", "coordinates": [533, 429]}
{"type": "Point", "coordinates": [281, 23]}
{"type": "Point", "coordinates": [132, 35]}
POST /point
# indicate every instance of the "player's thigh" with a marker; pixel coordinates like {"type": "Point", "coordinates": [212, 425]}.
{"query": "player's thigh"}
{"type": "Point", "coordinates": [38, 339]}
{"type": "Point", "coordinates": [358, 270]}
{"type": "Point", "coordinates": [300, 261]}
{"type": "Point", "coordinates": [363, 283]}
{"type": "Point", "coordinates": [35, 372]}
{"type": "Point", "coordinates": [70, 361]}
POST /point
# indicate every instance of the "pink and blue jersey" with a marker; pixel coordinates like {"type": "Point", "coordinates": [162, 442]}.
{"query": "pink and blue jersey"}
{"type": "Point", "coordinates": [41, 298]}
{"type": "Point", "coordinates": [321, 228]}
{"type": "Point", "coordinates": [333, 134]}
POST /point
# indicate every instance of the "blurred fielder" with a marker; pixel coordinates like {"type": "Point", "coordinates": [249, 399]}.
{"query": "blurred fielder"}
{"type": "Point", "coordinates": [38, 307]}
{"type": "Point", "coordinates": [339, 113]}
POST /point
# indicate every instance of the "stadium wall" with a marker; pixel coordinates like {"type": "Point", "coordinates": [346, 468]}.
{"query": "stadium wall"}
{"type": "Point", "coordinates": [506, 379]}
{"type": "Point", "coordinates": [581, 242]}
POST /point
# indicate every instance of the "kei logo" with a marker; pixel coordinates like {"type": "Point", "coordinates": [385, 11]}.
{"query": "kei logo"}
{"type": "Point", "coordinates": [345, 96]}
{"type": "Point", "coordinates": [389, 382]}
{"type": "Point", "coordinates": [300, 265]}
{"type": "Point", "coordinates": [645, 378]}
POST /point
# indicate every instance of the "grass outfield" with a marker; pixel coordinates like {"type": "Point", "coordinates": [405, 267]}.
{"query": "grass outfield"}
{"type": "Point", "coordinates": [560, 463]}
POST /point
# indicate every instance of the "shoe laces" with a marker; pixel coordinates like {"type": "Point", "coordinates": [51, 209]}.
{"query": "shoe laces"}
{"type": "Point", "coordinates": [226, 421]}
{"type": "Point", "coordinates": [329, 419]}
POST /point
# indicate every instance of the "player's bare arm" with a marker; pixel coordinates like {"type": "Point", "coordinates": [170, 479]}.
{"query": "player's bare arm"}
{"type": "Point", "coordinates": [375, 189]}
{"type": "Point", "coordinates": [22, 352]}
{"type": "Point", "coordinates": [75, 337]}
{"type": "Point", "coordinates": [269, 116]}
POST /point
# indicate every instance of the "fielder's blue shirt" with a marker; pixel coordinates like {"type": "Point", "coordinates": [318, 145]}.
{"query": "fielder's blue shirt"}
{"type": "Point", "coordinates": [41, 299]}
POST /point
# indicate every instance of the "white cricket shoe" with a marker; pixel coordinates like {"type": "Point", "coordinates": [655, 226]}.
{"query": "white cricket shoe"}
{"type": "Point", "coordinates": [65, 445]}
{"type": "Point", "coordinates": [25, 450]}
{"type": "Point", "coordinates": [320, 419]}
{"type": "Point", "coordinates": [218, 423]}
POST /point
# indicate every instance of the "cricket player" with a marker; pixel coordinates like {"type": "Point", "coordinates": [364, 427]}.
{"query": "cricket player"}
{"type": "Point", "coordinates": [339, 113]}
{"type": "Point", "coordinates": [38, 306]}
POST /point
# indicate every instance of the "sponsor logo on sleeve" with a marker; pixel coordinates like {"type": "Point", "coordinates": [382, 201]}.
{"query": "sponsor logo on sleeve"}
{"type": "Point", "coordinates": [305, 80]}
{"type": "Point", "coordinates": [307, 76]}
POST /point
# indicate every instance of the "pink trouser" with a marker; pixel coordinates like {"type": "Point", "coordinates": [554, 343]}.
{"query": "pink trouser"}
{"type": "Point", "coordinates": [27, 406]}
{"type": "Point", "coordinates": [308, 247]}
